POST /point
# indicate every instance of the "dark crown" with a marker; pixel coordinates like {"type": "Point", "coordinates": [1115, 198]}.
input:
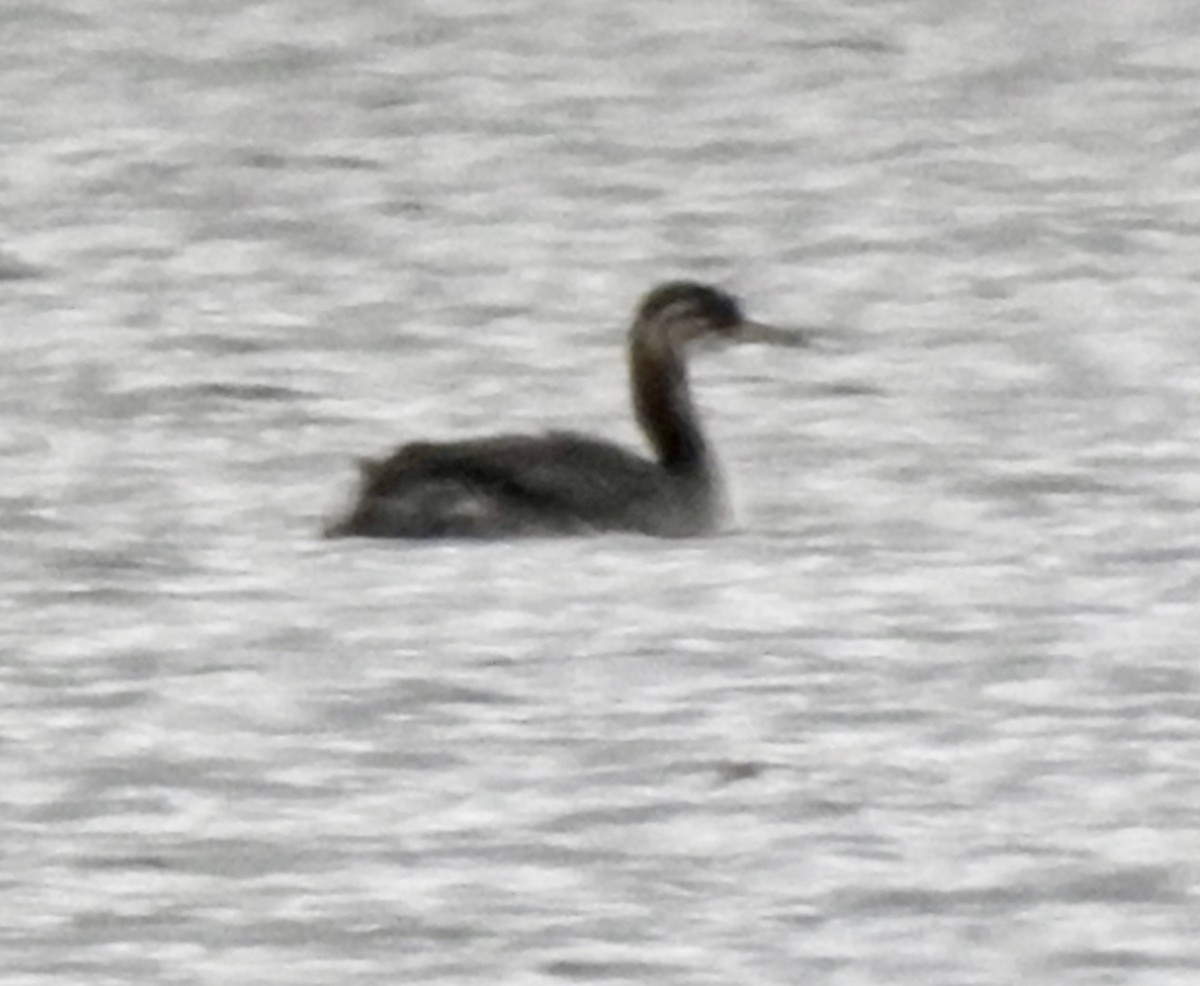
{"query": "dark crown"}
{"type": "Point", "coordinates": [701, 301]}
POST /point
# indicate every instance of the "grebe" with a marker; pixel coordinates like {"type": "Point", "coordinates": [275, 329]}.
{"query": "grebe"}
{"type": "Point", "coordinates": [562, 483]}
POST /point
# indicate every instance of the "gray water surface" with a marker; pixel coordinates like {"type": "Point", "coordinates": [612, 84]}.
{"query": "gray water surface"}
{"type": "Point", "coordinates": [929, 714]}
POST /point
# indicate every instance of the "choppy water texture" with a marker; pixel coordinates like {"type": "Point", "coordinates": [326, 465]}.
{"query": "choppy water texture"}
{"type": "Point", "coordinates": [929, 715]}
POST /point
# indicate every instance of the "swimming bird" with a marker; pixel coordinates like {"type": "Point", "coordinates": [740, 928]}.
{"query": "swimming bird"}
{"type": "Point", "coordinates": [562, 483]}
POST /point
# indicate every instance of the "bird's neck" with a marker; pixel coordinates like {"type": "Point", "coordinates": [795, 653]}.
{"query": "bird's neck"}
{"type": "Point", "coordinates": [662, 400]}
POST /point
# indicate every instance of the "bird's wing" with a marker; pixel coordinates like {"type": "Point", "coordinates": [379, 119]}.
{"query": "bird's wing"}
{"type": "Point", "coordinates": [579, 479]}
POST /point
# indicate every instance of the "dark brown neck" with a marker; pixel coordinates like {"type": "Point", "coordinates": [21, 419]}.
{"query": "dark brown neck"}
{"type": "Point", "coordinates": [663, 401]}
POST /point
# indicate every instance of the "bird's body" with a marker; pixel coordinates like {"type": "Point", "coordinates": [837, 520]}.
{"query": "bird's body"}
{"type": "Point", "coordinates": [561, 483]}
{"type": "Point", "coordinates": [508, 486]}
